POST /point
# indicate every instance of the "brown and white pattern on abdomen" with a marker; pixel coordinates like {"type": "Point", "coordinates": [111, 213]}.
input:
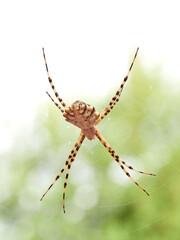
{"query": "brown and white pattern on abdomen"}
{"type": "Point", "coordinates": [86, 118]}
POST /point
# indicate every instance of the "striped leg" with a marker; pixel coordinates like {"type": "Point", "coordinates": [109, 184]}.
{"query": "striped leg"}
{"type": "Point", "coordinates": [130, 167]}
{"type": "Point", "coordinates": [72, 155]}
{"type": "Point", "coordinates": [82, 137]}
{"type": "Point", "coordinates": [57, 105]}
{"type": "Point", "coordinates": [115, 99]}
{"type": "Point", "coordinates": [116, 157]}
{"type": "Point", "coordinates": [51, 83]}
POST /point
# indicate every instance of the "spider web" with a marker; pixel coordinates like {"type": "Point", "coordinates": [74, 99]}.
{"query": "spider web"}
{"type": "Point", "coordinates": [94, 171]}
{"type": "Point", "coordinates": [116, 176]}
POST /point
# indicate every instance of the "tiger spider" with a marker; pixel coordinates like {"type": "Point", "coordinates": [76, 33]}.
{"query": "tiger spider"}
{"type": "Point", "coordinates": [86, 118]}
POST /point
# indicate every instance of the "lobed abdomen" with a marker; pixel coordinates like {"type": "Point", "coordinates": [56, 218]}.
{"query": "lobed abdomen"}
{"type": "Point", "coordinates": [83, 116]}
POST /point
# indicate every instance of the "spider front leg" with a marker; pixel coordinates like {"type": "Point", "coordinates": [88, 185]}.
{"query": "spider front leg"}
{"type": "Point", "coordinates": [69, 166]}
{"type": "Point", "coordinates": [119, 161]}
{"type": "Point", "coordinates": [115, 99]}
{"type": "Point", "coordinates": [71, 156]}
{"type": "Point", "coordinates": [51, 83]}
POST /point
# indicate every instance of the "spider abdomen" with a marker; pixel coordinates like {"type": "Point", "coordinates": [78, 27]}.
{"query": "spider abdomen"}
{"type": "Point", "coordinates": [83, 116]}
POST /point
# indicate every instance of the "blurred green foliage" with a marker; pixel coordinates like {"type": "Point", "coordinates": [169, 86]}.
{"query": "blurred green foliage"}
{"type": "Point", "coordinates": [101, 202]}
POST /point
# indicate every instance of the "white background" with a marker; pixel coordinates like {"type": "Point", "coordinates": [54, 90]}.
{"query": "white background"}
{"type": "Point", "coordinates": [88, 45]}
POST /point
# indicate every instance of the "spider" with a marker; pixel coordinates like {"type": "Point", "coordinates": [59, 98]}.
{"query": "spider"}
{"type": "Point", "coordinates": [86, 118]}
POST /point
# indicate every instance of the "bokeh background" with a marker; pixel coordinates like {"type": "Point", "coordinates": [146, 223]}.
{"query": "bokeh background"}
{"type": "Point", "coordinates": [89, 47]}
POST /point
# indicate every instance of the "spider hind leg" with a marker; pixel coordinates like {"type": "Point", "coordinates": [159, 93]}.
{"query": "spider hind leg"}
{"type": "Point", "coordinates": [51, 83]}
{"type": "Point", "coordinates": [57, 105]}
{"type": "Point", "coordinates": [115, 99]}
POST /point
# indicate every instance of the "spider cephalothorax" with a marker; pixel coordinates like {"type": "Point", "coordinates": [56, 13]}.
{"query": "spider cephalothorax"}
{"type": "Point", "coordinates": [85, 117]}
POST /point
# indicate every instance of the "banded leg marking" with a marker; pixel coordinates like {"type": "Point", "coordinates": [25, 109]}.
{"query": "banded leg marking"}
{"type": "Point", "coordinates": [115, 99]}
{"type": "Point", "coordinates": [69, 166]}
{"type": "Point", "coordinates": [66, 164]}
{"type": "Point", "coordinates": [130, 167]}
{"type": "Point", "coordinates": [116, 157]}
{"type": "Point", "coordinates": [57, 105]}
{"type": "Point", "coordinates": [51, 83]}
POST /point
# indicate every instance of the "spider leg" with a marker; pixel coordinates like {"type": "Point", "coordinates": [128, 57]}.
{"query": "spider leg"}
{"type": "Point", "coordinates": [116, 157]}
{"type": "Point", "coordinates": [115, 99]}
{"type": "Point", "coordinates": [72, 154]}
{"type": "Point", "coordinates": [57, 105]}
{"type": "Point", "coordinates": [51, 83]}
{"type": "Point", "coordinates": [130, 167]}
{"type": "Point", "coordinates": [82, 137]}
